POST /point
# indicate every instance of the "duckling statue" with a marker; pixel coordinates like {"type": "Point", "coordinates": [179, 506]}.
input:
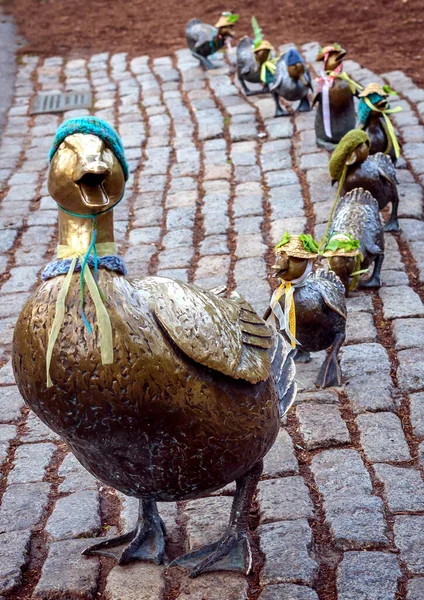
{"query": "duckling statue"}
{"type": "Point", "coordinates": [254, 61]}
{"type": "Point", "coordinates": [314, 303]}
{"type": "Point", "coordinates": [335, 113]}
{"type": "Point", "coordinates": [292, 81]}
{"type": "Point", "coordinates": [356, 218]}
{"type": "Point", "coordinates": [373, 111]}
{"type": "Point", "coordinates": [204, 40]}
{"type": "Point", "coordinates": [162, 390]}
{"type": "Point", "coordinates": [353, 167]}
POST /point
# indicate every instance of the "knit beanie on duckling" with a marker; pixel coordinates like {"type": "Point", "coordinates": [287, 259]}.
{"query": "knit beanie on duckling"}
{"type": "Point", "coordinates": [94, 126]}
{"type": "Point", "coordinates": [344, 149]}
{"type": "Point", "coordinates": [292, 57]}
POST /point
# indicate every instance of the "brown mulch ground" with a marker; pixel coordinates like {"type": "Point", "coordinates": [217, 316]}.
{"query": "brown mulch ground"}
{"type": "Point", "coordinates": [381, 34]}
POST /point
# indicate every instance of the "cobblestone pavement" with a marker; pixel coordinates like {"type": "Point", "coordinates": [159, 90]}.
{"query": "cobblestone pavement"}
{"type": "Point", "coordinates": [215, 181]}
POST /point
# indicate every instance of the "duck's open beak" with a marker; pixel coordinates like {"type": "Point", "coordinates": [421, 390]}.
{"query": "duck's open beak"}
{"type": "Point", "coordinates": [278, 271]}
{"type": "Point", "coordinates": [91, 186]}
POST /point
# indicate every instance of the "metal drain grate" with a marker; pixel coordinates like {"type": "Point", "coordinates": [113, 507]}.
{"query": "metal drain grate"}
{"type": "Point", "coordinates": [53, 103]}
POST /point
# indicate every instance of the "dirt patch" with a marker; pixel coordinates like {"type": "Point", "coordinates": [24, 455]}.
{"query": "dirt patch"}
{"type": "Point", "coordinates": [379, 34]}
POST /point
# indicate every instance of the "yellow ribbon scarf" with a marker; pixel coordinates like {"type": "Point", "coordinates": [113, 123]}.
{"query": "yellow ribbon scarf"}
{"type": "Point", "coordinates": [390, 130]}
{"type": "Point", "coordinates": [353, 85]}
{"type": "Point", "coordinates": [102, 316]}
{"type": "Point", "coordinates": [271, 66]}
{"type": "Point", "coordinates": [286, 288]}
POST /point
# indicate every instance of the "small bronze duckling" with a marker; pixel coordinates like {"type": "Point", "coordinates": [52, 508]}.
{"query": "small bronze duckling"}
{"type": "Point", "coordinates": [373, 111]}
{"type": "Point", "coordinates": [356, 218]}
{"type": "Point", "coordinates": [204, 40]}
{"type": "Point", "coordinates": [254, 61]}
{"type": "Point", "coordinates": [162, 390]}
{"type": "Point", "coordinates": [292, 81]}
{"type": "Point", "coordinates": [314, 303]}
{"type": "Point", "coordinates": [353, 167]}
{"type": "Point", "coordinates": [335, 114]}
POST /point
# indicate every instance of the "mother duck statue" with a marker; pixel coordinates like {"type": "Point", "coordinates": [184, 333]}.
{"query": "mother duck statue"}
{"type": "Point", "coordinates": [162, 390]}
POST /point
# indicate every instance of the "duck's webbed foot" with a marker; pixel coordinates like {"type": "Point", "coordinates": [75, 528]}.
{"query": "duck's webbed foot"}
{"type": "Point", "coordinates": [146, 541]}
{"type": "Point", "coordinates": [375, 279]}
{"type": "Point", "coordinates": [232, 551]}
{"type": "Point", "coordinates": [301, 356]}
{"type": "Point", "coordinates": [279, 112]}
{"type": "Point", "coordinates": [330, 373]}
{"type": "Point", "coordinates": [392, 225]}
{"type": "Point", "coordinates": [304, 106]}
{"type": "Point", "coordinates": [205, 62]}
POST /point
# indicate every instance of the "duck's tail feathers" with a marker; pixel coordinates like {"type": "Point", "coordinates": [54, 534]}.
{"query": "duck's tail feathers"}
{"type": "Point", "coordinates": [284, 371]}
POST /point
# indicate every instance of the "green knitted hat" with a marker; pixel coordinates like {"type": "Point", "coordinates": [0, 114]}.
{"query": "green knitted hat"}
{"type": "Point", "coordinates": [344, 149]}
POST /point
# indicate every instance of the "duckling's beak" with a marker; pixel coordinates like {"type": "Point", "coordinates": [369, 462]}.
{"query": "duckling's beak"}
{"type": "Point", "coordinates": [279, 271]}
{"type": "Point", "coordinates": [90, 182]}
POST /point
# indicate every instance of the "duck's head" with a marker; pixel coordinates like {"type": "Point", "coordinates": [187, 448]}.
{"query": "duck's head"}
{"type": "Point", "coordinates": [332, 55]}
{"type": "Point", "coordinates": [372, 100]}
{"type": "Point", "coordinates": [295, 64]}
{"type": "Point", "coordinates": [354, 147]}
{"type": "Point", "coordinates": [87, 167]}
{"type": "Point", "coordinates": [293, 255]}
{"type": "Point", "coordinates": [226, 24]}
{"type": "Point", "coordinates": [263, 51]}
{"type": "Point", "coordinates": [344, 257]}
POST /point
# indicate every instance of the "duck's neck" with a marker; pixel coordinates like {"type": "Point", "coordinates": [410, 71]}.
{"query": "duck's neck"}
{"type": "Point", "coordinates": [77, 232]}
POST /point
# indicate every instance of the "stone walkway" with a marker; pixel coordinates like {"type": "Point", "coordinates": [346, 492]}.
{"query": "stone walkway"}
{"type": "Point", "coordinates": [215, 181]}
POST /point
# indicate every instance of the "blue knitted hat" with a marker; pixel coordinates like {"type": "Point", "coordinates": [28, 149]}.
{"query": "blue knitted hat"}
{"type": "Point", "coordinates": [95, 126]}
{"type": "Point", "coordinates": [364, 110]}
{"type": "Point", "coordinates": [292, 57]}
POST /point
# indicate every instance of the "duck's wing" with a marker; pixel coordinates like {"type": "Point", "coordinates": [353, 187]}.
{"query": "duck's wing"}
{"type": "Point", "coordinates": [284, 373]}
{"type": "Point", "coordinates": [224, 334]}
{"type": "Point", "coordinates": [308, 79]}
{"type": "Point", "coordinates": [332, 291]}
{"type": "Point", "coordinates": [246, 62]}
{"type": "Point", "coordinates": [281, 74]}
{"type": "Point", "coordinates": [198, 33]}
{"type": "Point", "coordinates": [385, 167]}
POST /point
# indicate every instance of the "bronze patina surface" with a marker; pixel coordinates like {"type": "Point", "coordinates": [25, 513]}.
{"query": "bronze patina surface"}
{"type": "Point", "coordinates": [194, 395]}
{"type": "Point", "coordinates": [357, 215]}
{"type": "Point", "coordinates": [342, 107]}
{"type": "Point", "coordinates": [377, 174]}
{"type": "Point", "coordinates": [249, 64]}
{"type": "Point", "coordinates": [320, 313]}
{"type": "Point", "coordinates": [204, 40]}
{"type": "Point", "coordinates": [292, 81]}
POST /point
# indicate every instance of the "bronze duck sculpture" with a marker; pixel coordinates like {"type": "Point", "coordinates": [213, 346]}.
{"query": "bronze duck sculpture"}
{"type": "Point", "coordinates": [356, 217]}
{"type": "Point", "coordinates": [292, 81]}
{"type": "Point", "coordinates": [254, 61]}
{"type": "Point", "coordinates": [204, 40]}
{"type": "Point", "coordinates": [161, 390]}
{"type": "Point", "coordinates": [373, 111]}
{"type": "Point", "coordinates": [314, 302]}
{"type": "Point", "coordinates": [353, 167]}
{"type": "Point", "coordinates": [335, 114]}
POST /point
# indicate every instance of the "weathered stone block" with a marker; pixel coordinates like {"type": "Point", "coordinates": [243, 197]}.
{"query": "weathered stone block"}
{"type": "Point", "coordinates": [288, 550]}
{"type": "Point", "coordinates": [403, 488]}
{"type": "Point", "coordinates": [285, 498]}
{"type": "Point", "coordinates": [409, 538]}
{"type": "Point", "coordinates": [321, 425]}
{"type": "Point", "coordinates": [382, 437]}
{"type": "Point", "coordinates": [368, 576]}
{"type": "Point", "coordinates": [75, 515]}
{"type": "Point", "coordinates": [281, 459]}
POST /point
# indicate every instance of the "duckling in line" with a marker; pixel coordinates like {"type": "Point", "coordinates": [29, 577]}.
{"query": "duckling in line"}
{"type": "Point", "coordinates": [373, 111]}
{"type": "Point", "coordinates": [309, 307]}
{"type": "Point", "coordinates": [335, 114]}
{"type": "Point", "coordinates": [353, 167]}
{"type": "Point", "coordinates": [161, 390]}
{"type": "Point", "coordinates": [292, 81]}
{"type": "Point", "coordinates": [254, 61]}
{"type": "Point", "coordinates": [204, 40]}
{"type": "Point", "coordinates": [356, 218]}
